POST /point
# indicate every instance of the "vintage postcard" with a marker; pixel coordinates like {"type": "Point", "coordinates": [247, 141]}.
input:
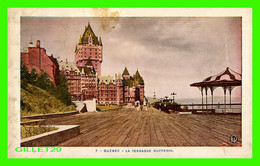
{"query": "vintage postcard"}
{"type": "Point", "coordinates": [129, 83]}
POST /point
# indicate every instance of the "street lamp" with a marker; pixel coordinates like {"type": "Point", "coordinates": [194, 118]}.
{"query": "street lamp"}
{"type": "Point", "coordinates": [173, 93]}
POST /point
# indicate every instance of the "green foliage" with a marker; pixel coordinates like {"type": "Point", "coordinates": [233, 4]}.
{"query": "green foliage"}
{"type": "Point", "coordinates": [107, 107]}
{"type": "Point", "coordinates": [35, 101]}
{"type": "Point", "coordinates": [29, 131]}
{"type": "Point", "coordinates": [42, 81]}
{"type": "Point", "coordinates": [24, 76]}
{"type": "Point", "coordinates": [131, 82]}
{"type": "Point", "coordinates": [62, 91]}
{"type": "Point", "coordinates": [33, 77]}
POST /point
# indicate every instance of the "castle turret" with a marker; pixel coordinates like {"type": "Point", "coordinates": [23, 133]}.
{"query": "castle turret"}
{"type": "Point", "coordinates": [75, 49]}
{"type": "Point", "coordinates": [80, 41]}
{"type": "Point", "coordinates": [89, 47]}
{"type": "Point", "coordinates": [139, 78]}
{"type": "Point", "coordinates": [126, 74]}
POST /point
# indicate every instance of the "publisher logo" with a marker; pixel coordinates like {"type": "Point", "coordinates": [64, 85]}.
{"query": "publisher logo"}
{"type": "Point", "coordinates": [233, 138]}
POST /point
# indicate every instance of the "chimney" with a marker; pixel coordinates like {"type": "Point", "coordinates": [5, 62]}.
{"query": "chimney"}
{"type": "Point", "coordinates": [66, 61]}
{"type": "Point", "coordinates": [115, 76]}
{"type": "Point", "coordinates": [38, 43]}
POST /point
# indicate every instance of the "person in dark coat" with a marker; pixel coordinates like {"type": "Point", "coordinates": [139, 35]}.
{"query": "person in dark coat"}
{"type": "Point", "coordinates": [84, 109]}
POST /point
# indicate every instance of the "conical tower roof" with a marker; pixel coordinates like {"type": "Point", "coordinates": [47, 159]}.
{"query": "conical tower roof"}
{"type": "Point", "coordinates": [125, 72]}
{"type": "Point", "coordinates": [89, 32]}
{"type": "Point", "coordinates": [75, 49]}
{"type": "Point", "coordinates": [137, 73]}
{"type": "Point", "coordinates": [139, 78]}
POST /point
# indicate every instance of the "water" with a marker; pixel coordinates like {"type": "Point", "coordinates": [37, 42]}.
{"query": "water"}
{"type": "Point", "coordinates": [217, 99]}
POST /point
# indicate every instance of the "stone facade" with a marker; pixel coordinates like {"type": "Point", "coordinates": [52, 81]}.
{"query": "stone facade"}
{"type": "Point", "coordinates": [133, 87]}
{"type": "Point", "coordinates": [85, 84]}
{"type": "Point", "coordinates": [85, 80]}
{"type": "Point", "coordinates": [90, 48]}
{"type": "Point", "coordinates": [36, 57]}
{"type": "Point", "coordinates": [82, 81]}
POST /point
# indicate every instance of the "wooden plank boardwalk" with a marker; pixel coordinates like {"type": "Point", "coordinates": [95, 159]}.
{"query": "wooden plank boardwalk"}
{"type": "Point", "coordinates": [131, 128]}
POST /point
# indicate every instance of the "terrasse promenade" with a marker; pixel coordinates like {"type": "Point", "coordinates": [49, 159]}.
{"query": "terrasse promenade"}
{"type": "Point", "coordinates": [129, 127]}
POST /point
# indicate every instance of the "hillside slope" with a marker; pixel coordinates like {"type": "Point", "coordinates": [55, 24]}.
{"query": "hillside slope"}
{"type": "Point", "coordinates": [35, 101]}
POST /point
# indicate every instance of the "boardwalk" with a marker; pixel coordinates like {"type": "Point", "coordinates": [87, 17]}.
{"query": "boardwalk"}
{"type": "Point", "coordinates": [130, 128]}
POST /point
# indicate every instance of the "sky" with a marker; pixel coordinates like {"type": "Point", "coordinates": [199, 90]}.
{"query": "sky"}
{"type": "Point", "coordinates": [169, 52]}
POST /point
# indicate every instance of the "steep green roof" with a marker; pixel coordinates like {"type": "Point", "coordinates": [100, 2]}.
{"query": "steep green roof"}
{"type": "Point", "coordinates": [137, 73]}
{"type": "Point", "coordinates": [87, 70]}
{"type": "Point", "coordinates": [100, 42]}
{"type": "Point", "coordinates": [83, 70]}
{"type": "Point", "coordinates": [139, 78]}
{"type": "Point", "coordinates": [125, 72]}
{"type": "Point", "coordinates": [68, 65]}
{"type": "Point", "coordinates": [128, 82]}
{"type": "Point", "coordinates": [75, 49]}
{"type": "Point", "coordinates": [106, 79]}
{"type": "Point", "coordinates": [88, 31]}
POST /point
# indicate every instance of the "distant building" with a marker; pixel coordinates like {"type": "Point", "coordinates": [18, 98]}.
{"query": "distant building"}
{"type": "Point", "coordinates": [36, 57]}
{"type": "Point", "coordinates": [154, 98]}
{"type": "Point", "coordinates": [133, 87]}
{"type": "Point", "coordinates": [82, 80]}
{"type": "Point", "coordinates": [85, 84]}
{"type": "Point", "coordinates": [110, 90]}
{"type": "Point", "coordinates": [85, 80]}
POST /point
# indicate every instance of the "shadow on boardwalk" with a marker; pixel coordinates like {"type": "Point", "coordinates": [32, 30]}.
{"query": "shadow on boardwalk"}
{"type": "Point", "coordinates": [129, 127]}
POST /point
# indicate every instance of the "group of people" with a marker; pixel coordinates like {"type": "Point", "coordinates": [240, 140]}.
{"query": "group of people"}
{"type": "Point", "coordinates": [141, 107]}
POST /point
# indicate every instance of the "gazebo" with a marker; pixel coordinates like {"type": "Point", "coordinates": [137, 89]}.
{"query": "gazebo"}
{"type": "Point", "coordinates": [227, 79]}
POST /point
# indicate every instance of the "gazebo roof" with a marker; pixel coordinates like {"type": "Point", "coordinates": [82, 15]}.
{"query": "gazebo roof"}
{"type": "Point", "coordinates": [225, 78]}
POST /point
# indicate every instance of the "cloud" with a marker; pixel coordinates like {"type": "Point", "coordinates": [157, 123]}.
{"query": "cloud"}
{"type": "Point", "coordinates": [169, 52]}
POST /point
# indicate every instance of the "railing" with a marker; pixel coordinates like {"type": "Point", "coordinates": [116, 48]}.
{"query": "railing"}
{"type": "Point", "coordinates": [219, 107]}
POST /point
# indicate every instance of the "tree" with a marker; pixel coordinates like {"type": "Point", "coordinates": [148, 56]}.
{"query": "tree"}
{"type": "Point", "coordinates": [33, 77]}
{"type": "Point", "coordinates": [25, 75]}
{"type": "Point", "coordinates": [43, 81]}
{"type": "Point", "coordinates": [62, 91]}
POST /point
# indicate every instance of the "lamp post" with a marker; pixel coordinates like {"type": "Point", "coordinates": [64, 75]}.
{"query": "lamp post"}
{"type": "Point", "coordinates": [173, 93]}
